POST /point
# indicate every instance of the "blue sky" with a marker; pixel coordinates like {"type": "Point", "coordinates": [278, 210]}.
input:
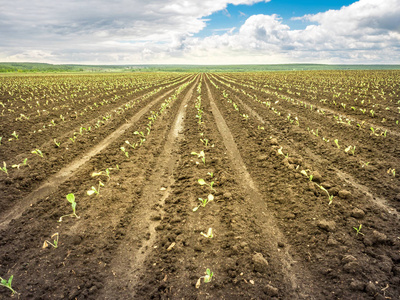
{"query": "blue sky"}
{"type": "Point", "coordinates": [200, 31]}
{"type": "Point", "coordinates": [236, 15]}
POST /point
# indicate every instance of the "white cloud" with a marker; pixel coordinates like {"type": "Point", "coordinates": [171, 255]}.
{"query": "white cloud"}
{"type": "Point", "coordinates": [161, 31]}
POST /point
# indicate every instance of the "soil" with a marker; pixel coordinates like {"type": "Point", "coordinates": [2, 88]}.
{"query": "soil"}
{"type": "Point", "coordinates": [275, 235]}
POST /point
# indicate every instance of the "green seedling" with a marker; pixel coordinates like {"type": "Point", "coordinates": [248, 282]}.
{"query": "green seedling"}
{"type": "Point", "coordinates": [393, 171]}
{"type": "Point", "coordinates": [71, 199]}
{"type": "Point", "coordinates": [358, 230]}
{"type": "Point", "coordinates": [14, 134]}
{"type": "Point", "coordinates": [373, 130]}
{"type": "Point", "coordinates": [260, 127]}
{"type": "Point", "coordinates": [200, 155]}
{"type": "Point", "coordinates": [54, 244]}
{"type": "Point", "coordinates": [132, 145]}
{"type": "Point", "coordinates": [329, 196]}
{"type": "Point", "coordinates": [93, 190]}
{"type": "Point", "coordinates": [203, 182]}
{"type": "Point", "coordinates": [211, 174]}
{"type": "Point", "coordinates": [7, 283]}
{"type": "Point", "coordinates": [204, 141]}
{"type": "Point", "coordinates": [207, 278]}
{"type": "Point", "coordinates": [337, 143]}
{"type": "Point", "coordinates": [24, 163]}
{"type": "Point", "coordinates": [209, 234]}
{"type": "Point", "coordinates": [106, 173]}
{"type": "Point", "coordinates": [203, 202]}
{"type": "Point", "coordinates": [37, 152]}
{"type": "Point", "coordinates": [125, 152]}
{"type": "Point", "coordinates": [73, 139]}
{"type": "Point", "coordinates": [4, 168]}
{"type": "Point", "coordinates": [57, 143]}
{"type": "Point", "coordinates": [384, 133]}
{"type": "Point", "coordinates": [1, 139]}
{"type": "Point", "coordinates": [304, 172]}
{"type": "Point", "coordinates": [350, 149]}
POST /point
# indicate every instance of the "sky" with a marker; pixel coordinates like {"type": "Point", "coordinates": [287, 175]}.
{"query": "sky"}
{"type": "Point", "coordinates": [200, 31]}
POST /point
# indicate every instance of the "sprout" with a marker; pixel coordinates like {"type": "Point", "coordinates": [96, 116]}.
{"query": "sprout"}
{"type": "Point", "coordinates": [71, 199]}
{"type": "Point", "coordinates": [358, 230]}
{"type": "Point", "coordinates": [207, 278]}
{"type": "Point", "coordinates": [54, 244]}
{"type": "Point", "coordinates": [93, 190]}
{"type": "Point", "coordinates": [202, 182]}
{"type": "Point", "coordinates": [7, 283]}
{"type": "Point", "coordinates": [4, 168]}
{"type": "Point", "coordinates": [203, 202]}
{"type": "Point", "coordinates": [37, 152]}
{"type": "Point", "coordinates": [200, 155]}
{"type": "Point", "coordinates": [209, 233]}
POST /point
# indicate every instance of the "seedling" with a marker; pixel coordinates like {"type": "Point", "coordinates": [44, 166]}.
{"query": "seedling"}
{"type": "Point", "coordinates": [211, 174]}
{"type": "Point", "coordinates": [57, 143]}
{"type": "Point", "coordinates": [200, 155]}
{"type": "Point", "coordinates": [7, 283]}
{"type": "Point", "coordinates": [393, 171]}
{"type": "Point", "coordinates": [209, 234]}
{"type": "Point", "coordinates": [54, 244]}
{"type": "Point", "coordinates": [93, 190]}
{"type": "Point", "coordinates": [203, 202]}
{"type": "Point", "coordinates": [71, 199]}
{"type": "Point", "coordinates": [73, 139]}
{"type": "Point", "coordinates": [207, 278]}
{"type": "Point", "coordinates": [14, 134]}
{"type": "Point", "coordinates": [204, 141]}
{"type": "Point", "coordinates": [329, 196]}
{"type": "Point", "coordinates": [106, 173]}
{"type": "Point", "coordinates": [358, 230]}
{"type": "Point", "coordinates": [373, 130]}
{"type": "Point", "coordinates": [4, 168]}
{"type": "Point", "coordinates": [132, 145]}
{"type": "Point", "coordinates": [337, 143]}
{"type": "Point", "coordinates": [24, 163]}
{"type": "Point", "coordinates": [350, 149]}
{"type": "Point", "coordinates": [202, 182]}
{"type": "Point", "coordinates": [37, 152]}
{"type": "Point", "coordinates": [125, 152]}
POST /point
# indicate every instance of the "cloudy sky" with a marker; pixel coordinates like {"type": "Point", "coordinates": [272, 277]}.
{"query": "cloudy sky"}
{"type": "Point", "coordinates": [200, 31]}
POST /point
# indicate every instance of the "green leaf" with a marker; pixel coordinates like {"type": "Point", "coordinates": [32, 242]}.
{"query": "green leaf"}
{"type": "Point", "coordinates": [201, 181]}
{"type": "Point", "coordinates": [71, 198]}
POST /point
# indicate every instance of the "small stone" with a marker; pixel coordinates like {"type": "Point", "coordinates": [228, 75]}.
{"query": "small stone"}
{"type": "Point", "coordinates": [332, 241]}
{"type": "Point", "coordinates": [327, 225]}
{"type": "Point", "coordinates": [357, 213]}
{"type": "Point", "coordinates": [274, 141]}
{"type": "Point", "coordinates": [156, 218]}
{"type": "Point", "coordinates": [327, 184]}
{"type": "Point", "coordinates": [281, 245]}
{"type": "Point", "coordinates": [260, 263]}
{"type": "Point", "coordinates": [344, 194]}
{"type": "Point", "coordinates": [317, 177]}
{"type": "Point", "coordinates": [271, 291]}
{"type": "Point", "coordinates": [262, 157]}
{"type": "Point", "coordinates": [357, 285]}
{"type": "Point", "coordinates": [228, 195]}
{"type": "Point", "coordinates": [378, 237]}
{"type": "Point", "coordinates": [370, 288]}
{"type": "Point", "coordinates": [352, 267]}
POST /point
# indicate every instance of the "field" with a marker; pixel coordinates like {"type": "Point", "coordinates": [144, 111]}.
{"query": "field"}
{"type": "Point", "coordinates": [283, 185]}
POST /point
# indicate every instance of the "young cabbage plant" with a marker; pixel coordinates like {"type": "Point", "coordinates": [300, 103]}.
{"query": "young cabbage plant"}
{"type": "Point", "coordinates": [393, 171]}
{"type": "Point", "coordinates": [7, 283]}
{"type": "Point", "coordinates": [358, 230]}
{"type": "Point", "coordinates": [207, 278]}
{"type": "Point", "coordinates": [57, 143]}
{"type": "Point", "coordinates": [54, 244]}
{"type": "Point", "coordinates": [203, 182]}
{"type": "Point", "coordinates": [350, 149]}
{"type": "Point", "coordinates": [209, 234]}
{"type": "Point", "coordinates": [24, 163]}
{"type": "Point", "coordinates": [200, 155]}
{"type": "Point", "coordinates": [125, 152]}
{"type": "Point", "coordinates": [71, 199]}
{"type": "Point", "coordinates": [204, 202]}
{"type": "Point", "coordinates": [132, 145]}
{"type": "Point", "coordinates": [37, 152]}
{"type": "Point", "coordinates": [4, 168]}
{"type": "Point", "coordinates": [14, 134]}
{"type": "Point", "coordinates": [329, 196]}
{"type": "Point", "coordinates": [337, 143]}
{"type": "Point", "coordinates": [93, 190]}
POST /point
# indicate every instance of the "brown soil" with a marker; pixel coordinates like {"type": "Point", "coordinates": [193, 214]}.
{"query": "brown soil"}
{"type": "Point", "coordinates": [275, 235]}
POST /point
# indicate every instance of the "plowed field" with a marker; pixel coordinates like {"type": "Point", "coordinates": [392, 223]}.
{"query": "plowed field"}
{"type": "Point", "coordinates": [282, 185]}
